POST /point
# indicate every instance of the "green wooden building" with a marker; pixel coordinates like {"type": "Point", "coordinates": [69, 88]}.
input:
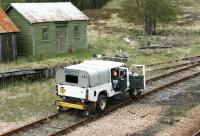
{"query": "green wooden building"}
{"type": "Point", "coordinates": [48, 27]}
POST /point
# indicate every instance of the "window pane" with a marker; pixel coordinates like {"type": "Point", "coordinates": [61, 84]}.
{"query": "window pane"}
{"type": "Point", "coordinates": [76, 31]}
{"type": "Point", "coordinates": [71, 79]}
{"type": "Point", "coordinates": [45, 33]}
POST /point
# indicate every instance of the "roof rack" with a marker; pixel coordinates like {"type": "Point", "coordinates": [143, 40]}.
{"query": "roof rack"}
{"type": "Point", "coordinates": [118, 58]}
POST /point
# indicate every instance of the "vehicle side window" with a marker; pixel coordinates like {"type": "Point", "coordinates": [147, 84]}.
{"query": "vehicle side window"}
{"type": "Point", "coordinates": [71, 79]}
{"type": "Point", "coordinates": [45, 33]}
{"type": "Point", "coordinates": [123, 73]}
{"type": "Point", "coordinates": [77, 31]}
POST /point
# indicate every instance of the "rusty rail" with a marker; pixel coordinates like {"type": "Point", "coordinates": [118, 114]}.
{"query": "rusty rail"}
{"type": "Point", "coordinates": [30, 125]}
{"type": "Point", "coordinates": [197, 133]}
{"type": "Point", "coordinates": [68, 129]}
{"type": "Point", "coordinates": [171, 61]}
{"type": "Point", "coordinates": [175, 66]}
{"type": "Point", "coordinates": [171, 73]}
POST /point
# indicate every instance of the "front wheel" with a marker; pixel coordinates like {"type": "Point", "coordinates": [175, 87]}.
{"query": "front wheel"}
{"type": "Point", "coordinates": [135, 94]}
{"type": "Point", "coordinates": [101, 103]}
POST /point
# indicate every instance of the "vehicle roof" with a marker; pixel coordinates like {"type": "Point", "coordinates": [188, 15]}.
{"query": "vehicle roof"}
{"type": "Point", "coordinates": [90, 69]}
{"type": "Point", "coordinates": [93, 66]}
{"type": "Point", "coordinates": [105, 63]}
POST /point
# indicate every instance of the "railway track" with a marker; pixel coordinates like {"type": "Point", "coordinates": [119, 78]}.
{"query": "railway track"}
{"type": "Point", "coordinates": [151, 71]}
{"type": "Point", "coordinates": [168, 69]}
{"type": "Point", "coordinates": [172, 61]}
{"type": "Point", "coordinates": [30, 125]}
{"type": "Point", "coordinates": [175, 66]}
{"type": "Point", "coordinates": [197, 133]}
{"type": "Point", "coordinates": [53, 126]}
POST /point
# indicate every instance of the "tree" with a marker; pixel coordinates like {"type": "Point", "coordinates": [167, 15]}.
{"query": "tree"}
{"type": "Point", "coordinates": [4, 4]}
{"type": "Point", "coordinates": [150, 12]}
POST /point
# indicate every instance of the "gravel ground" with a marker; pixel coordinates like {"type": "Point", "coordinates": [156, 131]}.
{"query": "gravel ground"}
{"type": "Point", "coordinates": [132, 118]}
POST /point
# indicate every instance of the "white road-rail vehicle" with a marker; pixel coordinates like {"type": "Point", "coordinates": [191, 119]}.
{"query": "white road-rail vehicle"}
{"type": "Point", "coordinates": [88, 86]}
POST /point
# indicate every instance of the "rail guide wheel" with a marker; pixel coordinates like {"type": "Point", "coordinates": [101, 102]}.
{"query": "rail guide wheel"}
{"type": "Point", "coordinates": [86, 113]}
{"type": "Point", "coordinates": [135, 94]}
{"type": "Point", "coordinates": [60, 109]}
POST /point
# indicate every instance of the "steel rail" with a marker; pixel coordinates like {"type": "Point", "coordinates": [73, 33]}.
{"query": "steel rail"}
{"type": "Point", "coordinates": [175, 66]}
{"type": "Point", "coordinates": [68, 129]}
{"type": "Point", "coordinates": [171, 73]}
{"type": "Point", "coordinates": [30, 125]}
{"type": "Point", "coordinates": [197, 133]}
{"type": "Point", "coordinates": [171, 61]}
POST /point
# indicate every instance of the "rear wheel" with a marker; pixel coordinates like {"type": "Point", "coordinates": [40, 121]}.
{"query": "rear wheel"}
{"type": "Point", "coordinates": [135, 94]}
{"type": "Point", "coordinates": [101, 103]}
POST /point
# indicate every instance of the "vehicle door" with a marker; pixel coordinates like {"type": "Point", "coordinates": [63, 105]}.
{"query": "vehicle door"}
{"type": "Point", "coordinates": [123, 78]}
{"type": "Point", "coordinates": [137, 78]}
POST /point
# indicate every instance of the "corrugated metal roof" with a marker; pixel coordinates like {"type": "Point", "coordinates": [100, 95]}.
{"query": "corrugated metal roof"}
{"type": "Point", "coordinates": [49, 12]}
{"type": "Point", "coordinates": [6, 25]}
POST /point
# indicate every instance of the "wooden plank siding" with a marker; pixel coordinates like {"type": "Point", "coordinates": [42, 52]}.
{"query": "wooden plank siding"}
{"type": "Point", "coordinates": [81, 42]}
{"type": "Point", "coordinates": [50, 46]}
{"type": "Point", "coordinates": [24, 38]}
{"type": "Point", "coordinates": [44, 46]}
{"type": "Point", "coordinates": [30, 41]}
{"type": "Point", "coordinates": [8, 51]}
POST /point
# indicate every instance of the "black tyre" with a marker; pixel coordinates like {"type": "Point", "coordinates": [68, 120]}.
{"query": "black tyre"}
{"type": "Point", "coordinates": [134, 94]}
{"type": "Point", "coordinates": [101, 103]}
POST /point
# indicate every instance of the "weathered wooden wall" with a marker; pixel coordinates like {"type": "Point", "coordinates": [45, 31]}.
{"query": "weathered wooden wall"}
{"type": "Point", "coordinates": [69, 42]}
{"type": "Point", "coordinates": [24, 38]}
{"type": "Point", "coordinates": [8, 47]}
